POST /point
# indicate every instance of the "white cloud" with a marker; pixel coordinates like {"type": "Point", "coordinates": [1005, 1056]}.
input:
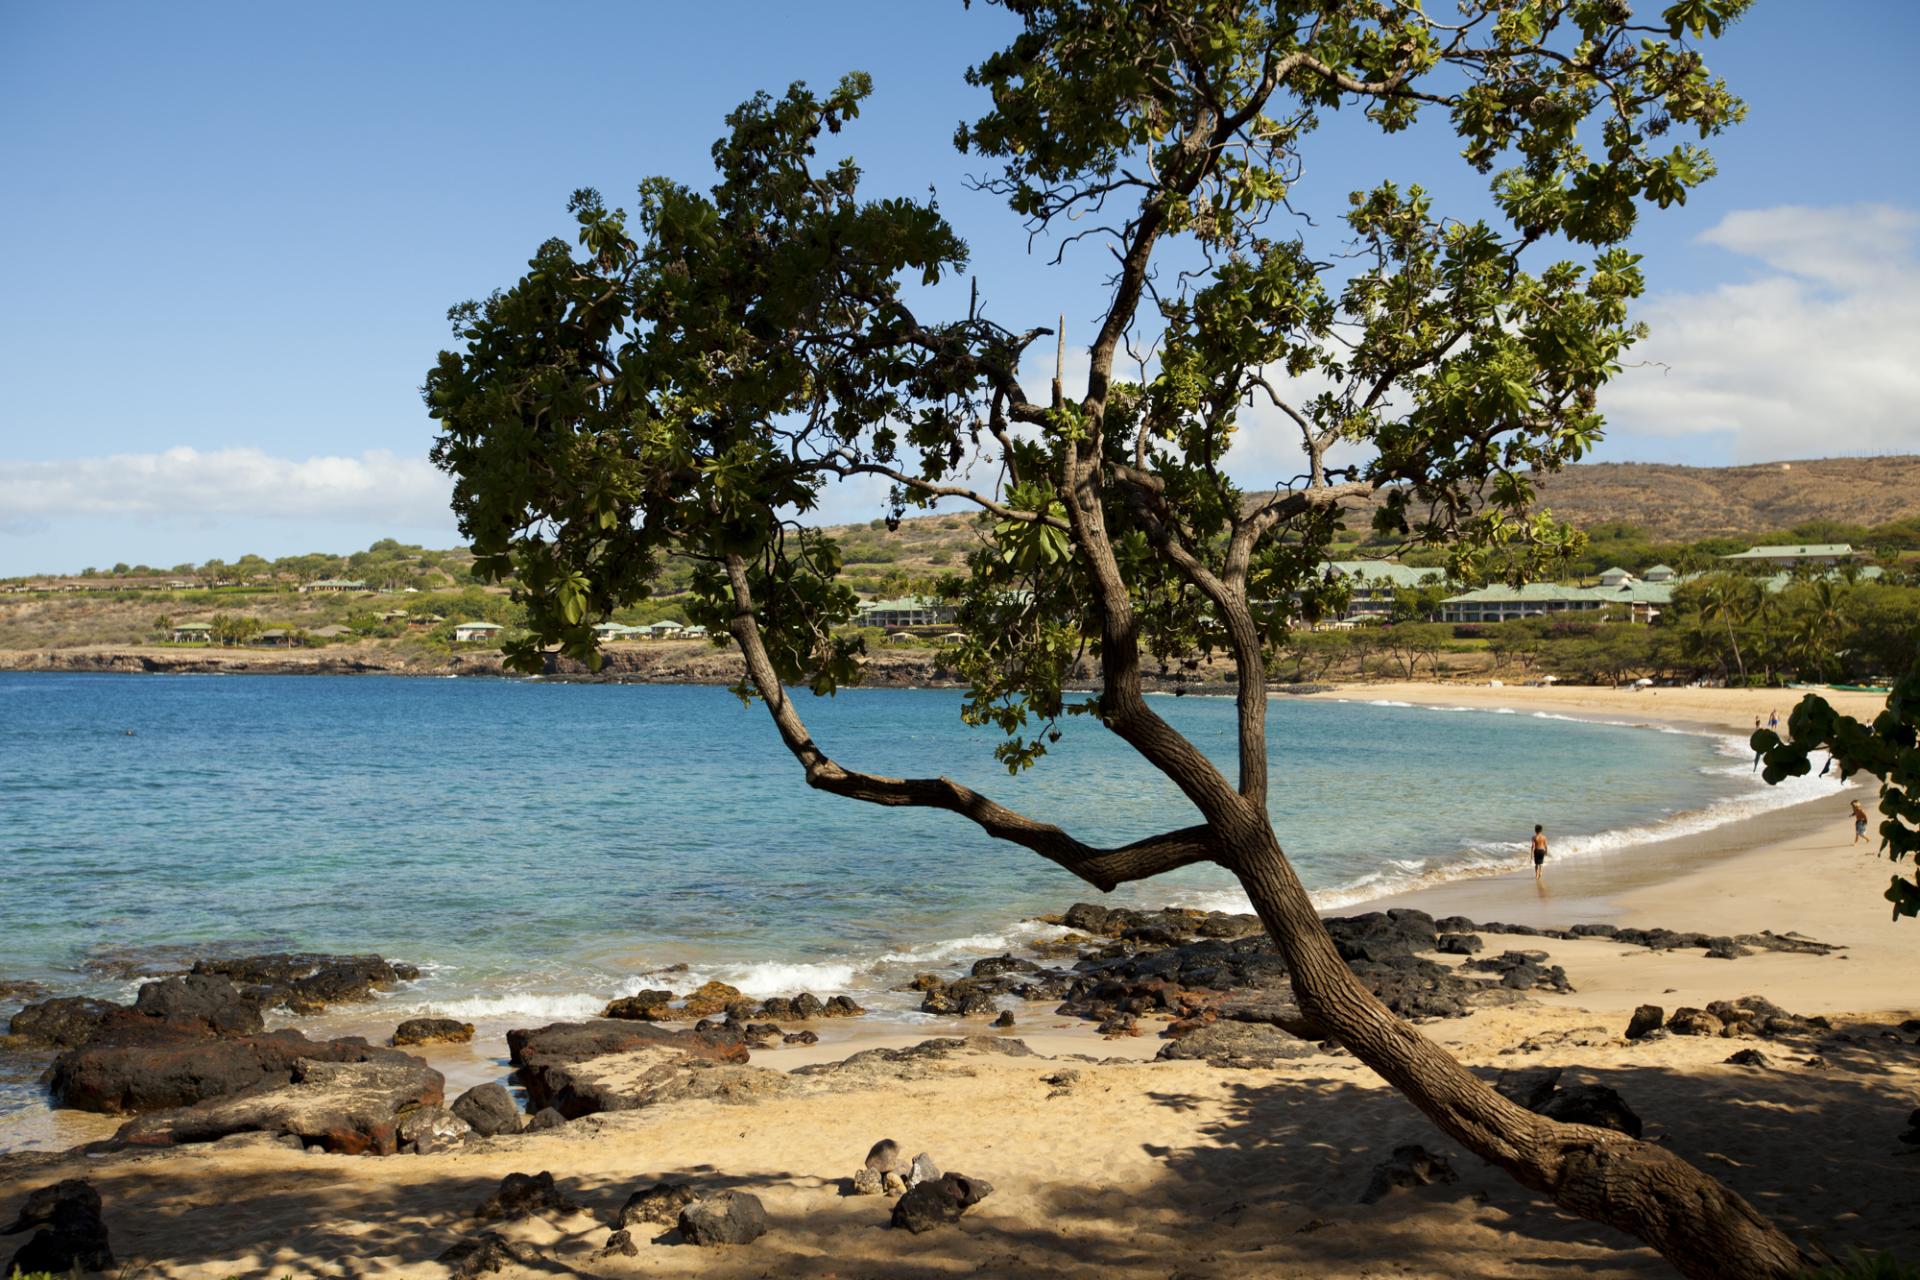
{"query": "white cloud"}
{"type": "Point", "coordinates": [1848, 246]}
{"type": "Point", "coordinates": [378, 488]}
{"type": "Point", "coordinates": [1813, 356]}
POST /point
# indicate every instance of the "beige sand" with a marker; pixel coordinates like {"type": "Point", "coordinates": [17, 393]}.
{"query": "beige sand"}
{"type": "Point", "coordinates": [1732, 710]}
{"type": "Point", "coordinates": [1156, 1169]}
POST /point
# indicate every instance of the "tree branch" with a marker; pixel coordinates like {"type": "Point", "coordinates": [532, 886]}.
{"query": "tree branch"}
{"type": "Point", "coordinates": [1102, 868]}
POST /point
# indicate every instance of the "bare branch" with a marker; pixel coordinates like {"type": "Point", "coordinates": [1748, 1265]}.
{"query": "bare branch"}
{"type": "Point", "coordinates": [1103, 868]}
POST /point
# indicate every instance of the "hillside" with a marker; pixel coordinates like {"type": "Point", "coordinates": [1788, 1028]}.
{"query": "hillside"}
{"type": "Point", "coordinates": [1667, 503]}
{"type": "Point", "coordinates": [1675, 504]}
{"type": "Point", "coordinates": [1872, 502]}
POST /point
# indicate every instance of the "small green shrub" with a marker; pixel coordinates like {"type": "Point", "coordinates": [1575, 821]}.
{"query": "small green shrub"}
{"type": "Point", "coordinates": [1867, 1266]}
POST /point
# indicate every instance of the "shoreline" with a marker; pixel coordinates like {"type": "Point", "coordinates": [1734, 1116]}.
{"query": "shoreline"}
{"type": "Point", "coordinates": [1661, 882]}
{"type": "Point", "coordinates": [1108, 1163]}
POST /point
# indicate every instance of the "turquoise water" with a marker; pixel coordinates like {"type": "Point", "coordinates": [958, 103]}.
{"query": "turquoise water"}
{"type": "Point", "coordinates": [539, 846]}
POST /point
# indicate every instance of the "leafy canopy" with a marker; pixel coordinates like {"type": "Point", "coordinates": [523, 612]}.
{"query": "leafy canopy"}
{"type": "Point", "coordinates": [690, 377]}
{"type": "Point", "coordinates": [1887, 748]}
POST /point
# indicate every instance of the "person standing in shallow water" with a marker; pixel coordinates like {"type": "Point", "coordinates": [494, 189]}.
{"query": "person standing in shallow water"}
{"type": "Point", "coordinates": [1539, 849]}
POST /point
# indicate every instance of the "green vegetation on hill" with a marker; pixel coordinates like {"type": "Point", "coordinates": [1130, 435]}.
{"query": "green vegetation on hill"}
{"type": "Point", "coordinates": [1835, 631]}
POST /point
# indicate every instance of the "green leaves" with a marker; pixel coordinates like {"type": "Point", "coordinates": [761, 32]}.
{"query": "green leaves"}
{"type": "Point", "coordinates": [1702, 17]}
{"type": "Point", "coordinates": [1887, 749]}
{"type": "Point", "coordinates": [686, 379]}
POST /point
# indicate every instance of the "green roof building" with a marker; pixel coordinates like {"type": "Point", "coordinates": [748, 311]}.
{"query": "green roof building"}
{"type": "Point", "coordinates": [1372, 583]}
{"type": "Point", "coordinates": [1803, 553]}
{"type": "Point", "coordinates": [906, 611]}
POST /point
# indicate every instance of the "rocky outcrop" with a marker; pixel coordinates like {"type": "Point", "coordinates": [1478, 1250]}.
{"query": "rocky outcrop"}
{"type": "Point", "coordinates": [646, 1006]}
{"type": "Point", "coordinates": [1409, 1166]}
{"type": "Point", "coordinates": [1523, 971]}
{"type": "Point", "coordinates": [207, 1001]}
{"type": "Point", "coordinates": [726, 1217]}
{"type": "Point", "coordinates": [1245, 978]}
{"type": "Point", "coordinates": [580, 1069]}
{"type": "Point", "coordinates": [425, 1130]}
{"type": "Point", "coordinates": [64, 1021]}
{"type": "Point", "coordinates": [927, 1059]}
{"type": "Point", "coordinates": [432, 1031]}
{"type": "Point", "coordinates": [1645, 1021]}
{"type": "Point", "coordinates": [708, 999]}
{"type": "Point", "coordinates": [1236, 1044]}
{"type": "Point", "coordinates": [351, 1107]}
{"type": "Point", "coordinates": [68, 1232]}
{"type": "Point", "coordinates": [309, 982]}
{"type": "Point", "coordinates": [486, 1253]}
{"type": "Point", "coordinates": [938, 1202]}
{"type": "Point", "coordinates": [488, 1110]}
{"type": "Point", "coordinates": [806, 1005]}
{"type": "Point", "coordinates": [660, 1203]}
{"type": "Point", "coordinates": [134, 1064]}
{"type": "Point", "coordinates": [524, 1195]}
{"type": "Point", "coordinates": [1539, 1090]}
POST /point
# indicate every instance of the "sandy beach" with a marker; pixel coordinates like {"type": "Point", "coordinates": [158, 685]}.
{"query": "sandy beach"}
{"type": "Point", "coordinates": [1106, 1163]}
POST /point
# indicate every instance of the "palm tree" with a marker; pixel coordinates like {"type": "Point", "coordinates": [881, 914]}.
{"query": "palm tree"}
{"type": "Point", "coordinates": [1823, 619]}
{"type": "Point", "coordinates": [1728, 600]}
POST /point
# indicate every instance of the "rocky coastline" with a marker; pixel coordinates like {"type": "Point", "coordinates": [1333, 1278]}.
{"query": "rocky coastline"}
{"type": "Point", "coordinates": [190, 1061]}
{"type": "Point", "coordinates": [660, 663]}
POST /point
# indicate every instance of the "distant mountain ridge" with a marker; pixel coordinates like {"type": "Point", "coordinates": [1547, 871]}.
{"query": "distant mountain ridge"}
{"type": "Point", "coordinates": [1669, 503]}
{"type": "Point", "coordinates": [1674, 503]}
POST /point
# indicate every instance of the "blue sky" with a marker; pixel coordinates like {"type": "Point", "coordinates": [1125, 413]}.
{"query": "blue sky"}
{"type": "Point", "coordinates": [232, 231]}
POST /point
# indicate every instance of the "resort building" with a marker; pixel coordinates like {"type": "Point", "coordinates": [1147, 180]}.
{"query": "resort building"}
{"type": "Point", "coordinates": [192, 633]}
{"type": "Point", "coordinates": [470, 632]}
{"type": "Point", "coordinates": [1502, 603]}
{"type": "Point", "coordinates": [1372, 584]}
{"type": "Point", "coordinates": [335, 584]}
{"type": "Point", "coordinates": [606, 632]}
{"type": "Point", "coordinates": [907, 611]}
{"type": "Point", "coordinates": [277, 638]}
{"type": "Point", "coordinates": [1822, 553]}
{"type": "Point", "coordinates": [332, 631]}
{"type": "Point", "coordinates": [1632, 598]}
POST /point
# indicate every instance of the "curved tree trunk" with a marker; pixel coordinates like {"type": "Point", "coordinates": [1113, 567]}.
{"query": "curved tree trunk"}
{"type": "Point", "coordinates": [1702, 1227]}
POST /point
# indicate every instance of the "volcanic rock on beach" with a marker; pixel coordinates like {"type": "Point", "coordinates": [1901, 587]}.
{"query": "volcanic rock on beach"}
{"type": "Point", "coordinates": [71, 1235]}
{"type": "Point", "coordinates": [1236, 1044]}
{"type": "Point", "coordinates": [136, 1064]}
{"type": "Point", "coordinates": [661, 1203]}
{"type": "Point", "coordinates": [350, 1107]}
{"type": "Point", "coordinates": [653, 1005]}
{"type": "Point", "coordinates": [580, 1068]}
{"type": "Point", "coordinates": [726, 1217]}
{"type": "Point", "coordinates": [64, 1021]}
{"type": "Point", "coordinates": [209, 1000]}
{"type": "Point", "coordinates": [432, 1031]}
{"type": "Point", "coordinates": [524, 1195]}
{"type": "Point", "coordinates": [308, 982]}
{"type": "Point", "coordinates": [488, 1109]}
{"type": "Point", "coordinates": [939, 1202]}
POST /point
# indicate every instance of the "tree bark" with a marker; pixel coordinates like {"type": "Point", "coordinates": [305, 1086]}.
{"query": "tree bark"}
{"type": "Point", "coordinates": [1706, 1230]}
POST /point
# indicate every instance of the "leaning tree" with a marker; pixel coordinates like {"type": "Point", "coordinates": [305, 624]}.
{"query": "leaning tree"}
{"type": "Point", "coordinates": [689, 381]}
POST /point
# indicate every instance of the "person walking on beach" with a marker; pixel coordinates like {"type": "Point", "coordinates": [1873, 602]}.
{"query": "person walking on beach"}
{"type": "Point", "coordinates": [1859, 823]}
{"type": "Point", "coordinates": [1540, 848]}
{"type": "Point", "coordinates": [1773, 720]}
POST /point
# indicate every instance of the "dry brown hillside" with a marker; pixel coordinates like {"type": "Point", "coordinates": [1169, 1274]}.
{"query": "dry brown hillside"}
{"type": "Point", "coordinates": [1684, 503]}
{"type": "Point", "coordinates": [1671, 503]}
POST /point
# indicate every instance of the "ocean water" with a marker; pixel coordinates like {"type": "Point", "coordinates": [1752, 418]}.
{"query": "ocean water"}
{"type": "Point", "coordinates": [540, 847]}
